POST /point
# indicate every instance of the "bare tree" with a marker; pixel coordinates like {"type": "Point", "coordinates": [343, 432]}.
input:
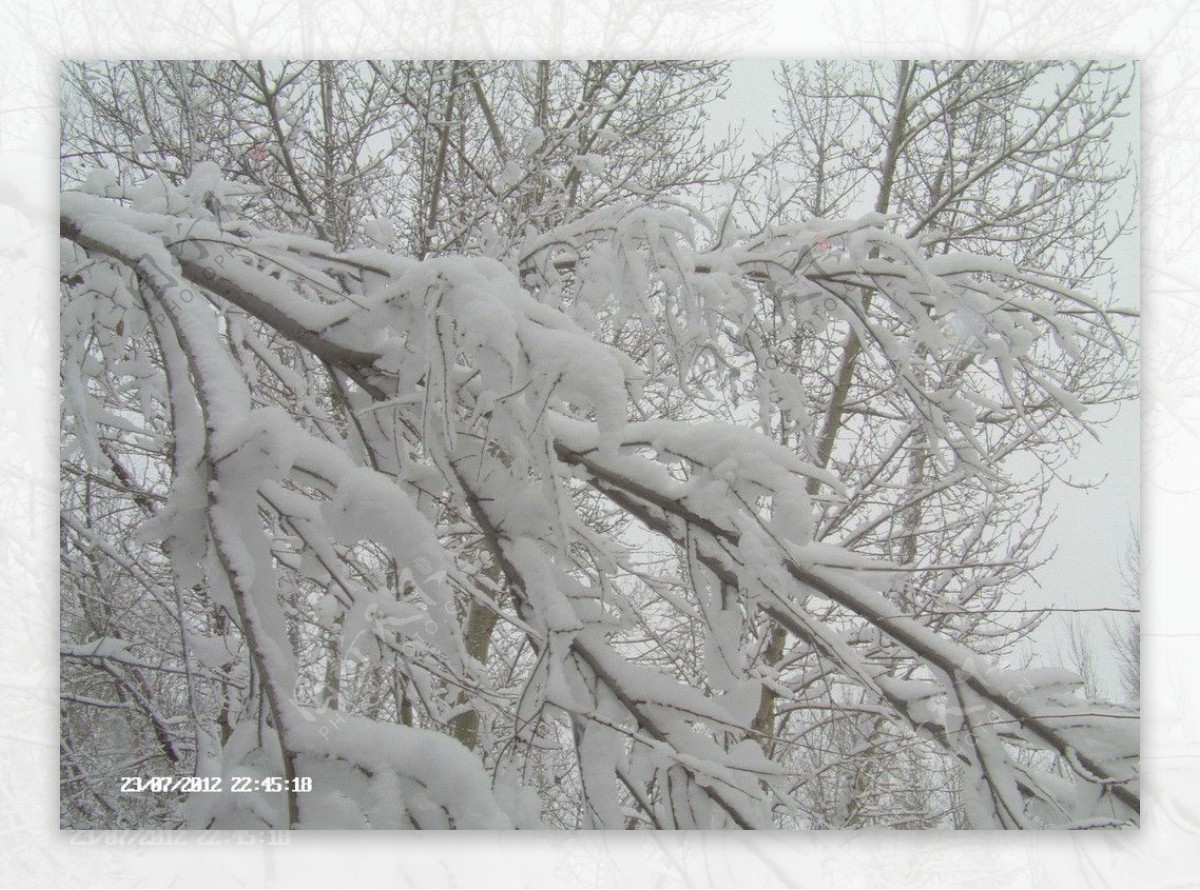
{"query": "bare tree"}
{"type": "Point", "coordinates": [497, 521]}
{"type": "Point", "coordinates": [1126, 635]}
{"type": "Point", "coordinates": [1005, 159]}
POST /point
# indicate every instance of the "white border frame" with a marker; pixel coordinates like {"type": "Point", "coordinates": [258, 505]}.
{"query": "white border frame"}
{"type": "Point", "coordinates": [32, 41]}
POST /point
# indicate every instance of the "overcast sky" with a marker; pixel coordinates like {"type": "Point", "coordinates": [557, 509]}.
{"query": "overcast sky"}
{"type": "Point", "coordinates": [1093, 527]}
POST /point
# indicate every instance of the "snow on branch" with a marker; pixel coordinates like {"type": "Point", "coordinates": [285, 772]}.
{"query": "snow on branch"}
{"type": "Point", "coordinates": [431, 478]}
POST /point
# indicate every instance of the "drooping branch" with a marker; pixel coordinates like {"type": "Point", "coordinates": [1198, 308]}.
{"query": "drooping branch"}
{"type": "Point", "coordinates": [448, 409]}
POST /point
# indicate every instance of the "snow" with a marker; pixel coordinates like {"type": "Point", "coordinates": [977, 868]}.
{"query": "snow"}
{"type": "Point", "coordinates": [533, 141]}
{"type": "Point", "coordinates": [105, 647]}
{"type": "Point", "coordinates": [440, 783]}
{"type": "Point", "coordinates": [464, 411]}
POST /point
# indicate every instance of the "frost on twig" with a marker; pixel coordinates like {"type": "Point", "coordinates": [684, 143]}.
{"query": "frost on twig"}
{"type": "Point", "coordinates": [405, 493]}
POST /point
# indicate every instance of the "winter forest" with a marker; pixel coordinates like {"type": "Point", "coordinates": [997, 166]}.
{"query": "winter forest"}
{"type": "Point", "coordinates": [478, 444]}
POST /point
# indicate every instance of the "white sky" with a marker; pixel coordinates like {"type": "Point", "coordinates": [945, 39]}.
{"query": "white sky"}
{"type": "Point", "coordinates": [1090, 535]}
